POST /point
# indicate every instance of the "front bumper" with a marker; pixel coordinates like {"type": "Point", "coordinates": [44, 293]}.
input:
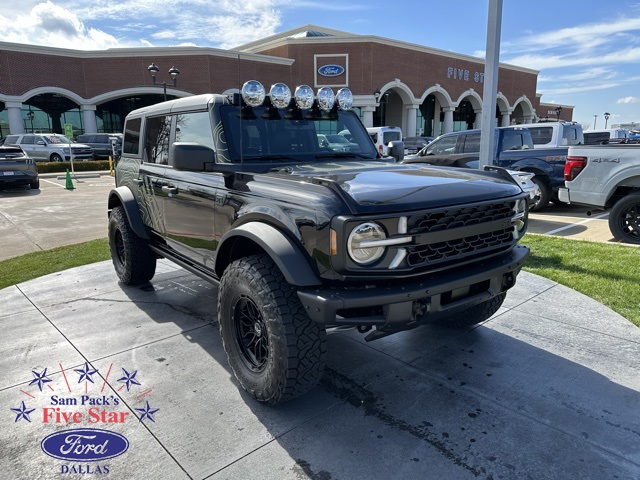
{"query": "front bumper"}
{"type": "Point", "coordinates": [430, 296]}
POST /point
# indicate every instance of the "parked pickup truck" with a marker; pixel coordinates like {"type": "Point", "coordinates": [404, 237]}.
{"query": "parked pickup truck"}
{"type": "Point", "coordinates": [514, 151]}
{"type": "Point", "coordinates": [555, 134]}
{"type": "Point", "coordinates": [607, 177]}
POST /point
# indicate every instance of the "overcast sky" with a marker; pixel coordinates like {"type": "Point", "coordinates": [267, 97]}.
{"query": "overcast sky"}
{"type": "Point", "coordinates": [588, 52]}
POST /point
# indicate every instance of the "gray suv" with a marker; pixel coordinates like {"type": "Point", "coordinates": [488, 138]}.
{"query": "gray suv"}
{"type": "Point", "coordinates": [50, 147]}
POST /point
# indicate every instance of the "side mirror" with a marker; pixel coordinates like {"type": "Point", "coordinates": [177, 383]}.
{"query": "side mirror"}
{"type": "Point", "coordinates": [190, 156]}
{"type": "Point", "coordinates": [396, 150]}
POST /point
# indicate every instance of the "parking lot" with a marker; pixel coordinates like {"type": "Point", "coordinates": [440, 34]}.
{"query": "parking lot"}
{"type": "Point", "coordinates": [33, 220]}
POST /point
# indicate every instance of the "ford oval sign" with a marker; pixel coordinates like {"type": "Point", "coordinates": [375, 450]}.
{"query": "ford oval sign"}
{"type": "Point", "coordinates": [84, 445]}
{"type": "Point", "coordinates": [331, 70]}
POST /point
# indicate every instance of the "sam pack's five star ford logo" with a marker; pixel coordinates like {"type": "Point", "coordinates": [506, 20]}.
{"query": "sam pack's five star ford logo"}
{"type": "Point", "coordinates": [86, 404]}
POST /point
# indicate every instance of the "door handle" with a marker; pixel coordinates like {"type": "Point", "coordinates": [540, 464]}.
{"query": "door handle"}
{"type": "Point", "coordinates": [170, 190]}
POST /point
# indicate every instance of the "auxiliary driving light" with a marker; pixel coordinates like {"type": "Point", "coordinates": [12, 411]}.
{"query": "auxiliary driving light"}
{"type": "Point", "coordinates": [253, 93]}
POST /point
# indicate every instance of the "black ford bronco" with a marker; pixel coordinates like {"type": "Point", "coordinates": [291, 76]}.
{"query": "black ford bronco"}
{"type": "Point", "coordinates": [238, 190]}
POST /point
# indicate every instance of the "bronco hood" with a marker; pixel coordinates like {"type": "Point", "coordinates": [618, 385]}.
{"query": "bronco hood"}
{"type": "Point", "coordinates": [379, 187]}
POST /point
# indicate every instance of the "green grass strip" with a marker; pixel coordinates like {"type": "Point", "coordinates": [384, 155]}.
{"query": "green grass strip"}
{"type": "Point", "coordinates": [33, 265]}
{"type": "Point", "coordinates": [608, 273]}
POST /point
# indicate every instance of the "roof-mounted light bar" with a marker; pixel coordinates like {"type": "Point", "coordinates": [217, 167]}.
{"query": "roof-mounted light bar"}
{"type": "Point", "coordinates": [254, 94]}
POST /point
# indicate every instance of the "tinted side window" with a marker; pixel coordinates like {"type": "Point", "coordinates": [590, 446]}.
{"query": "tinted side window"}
{"type": "Point", "coordinates": [541, 135]}
{"type": "Point", "coordinates": [390, 137]}
{"type": "Point", "coordinates": [194, 127]}
{"type": "Point", "coordinates": [132, 136]}
{"type": "Point", "coordinates": [444, 146]}
{"type": "Point", "coordinates": [513, 140]}
{"type": "Point", "coordinates": [11, 140]}
{"type": "Point", "coordinates": [28, 140]}
{"type": "Point", "coordinates": [156, 142]}
{"type": "Point", "coordinates": [471, 143]}
{"type": "Point", "coordinates": [570, 136]}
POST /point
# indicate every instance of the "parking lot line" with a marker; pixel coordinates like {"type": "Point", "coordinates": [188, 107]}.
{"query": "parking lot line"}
{"type": "Point", "coordinates": [567, 227]}
{"type": "Point", "coordinates": [52, 183]}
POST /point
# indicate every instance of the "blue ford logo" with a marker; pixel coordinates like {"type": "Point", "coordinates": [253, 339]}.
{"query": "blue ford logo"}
{"type": "Point", "coordinates": [331, 70]}
{"type": "Point", "coordinates": [84, 445]}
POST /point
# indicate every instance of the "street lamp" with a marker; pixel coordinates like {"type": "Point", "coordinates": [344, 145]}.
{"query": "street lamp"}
{"type": "Point", "coordinates": [595, 119]}
{"type": "Point", "coordinates": [558, 110]}
{"type": "Point", "coordinates": [606, 118]}
{"type": "Point", "coordinates": [173, 71]}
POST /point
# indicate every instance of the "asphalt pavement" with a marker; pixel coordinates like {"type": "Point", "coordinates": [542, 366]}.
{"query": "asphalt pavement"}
{"type": "Point", "coordinates": [548, 388]}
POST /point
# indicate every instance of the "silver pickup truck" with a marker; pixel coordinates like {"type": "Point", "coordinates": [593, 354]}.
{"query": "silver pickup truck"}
{"type": "Point", "coordinates": [606, 176]}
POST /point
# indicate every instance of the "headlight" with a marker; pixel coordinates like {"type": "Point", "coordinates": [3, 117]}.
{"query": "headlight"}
{"type": "Point", "coordinates": [65, 150]}
{"type": "Point", "coordinates": [304, 97]}
{"type": "Point", "coordinates": [344, 97]}
{"type": "Point", "coordinates": [326, 98]}
{"type": "Point", "coordinates": [362, 243]}
{"type": "Point", "coordinates": [253, 93]}
{"type": "Point", "coordinates": [280, 95]}
{"type": "Point", "coordinates": [520, 218]}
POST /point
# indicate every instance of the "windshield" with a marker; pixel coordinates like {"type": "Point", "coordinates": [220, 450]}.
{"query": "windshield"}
{"type": "Point", "coordinates": [263, 134]}
{"type": "Point", "coordinates": [56, 139]}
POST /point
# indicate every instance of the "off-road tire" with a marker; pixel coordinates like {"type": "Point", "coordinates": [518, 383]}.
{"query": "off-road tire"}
{"type": "Point", "coordinates": [275, 350]}
{"type": "Point", "coordinates": [133, 260]}
{"type": "Point", "coordinates": [476, 314]}
{"type": "Point", "coordinates": [544, 197]}
{"type": "Point", "coordinates": [624, 219]}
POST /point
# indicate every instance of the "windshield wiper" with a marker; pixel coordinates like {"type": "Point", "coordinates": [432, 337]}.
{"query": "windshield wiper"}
{"type": "Point", "coordinates": [342, 155]}
{"type": "Point", "coordinates": [269, 158]}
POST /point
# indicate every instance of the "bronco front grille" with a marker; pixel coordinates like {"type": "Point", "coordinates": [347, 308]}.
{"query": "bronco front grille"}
{"type": "Point", "coordinates": [437, 239]}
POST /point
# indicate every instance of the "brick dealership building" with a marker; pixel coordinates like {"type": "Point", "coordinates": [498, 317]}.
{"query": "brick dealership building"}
{"type": "Point", "coordinates": [423, 90]}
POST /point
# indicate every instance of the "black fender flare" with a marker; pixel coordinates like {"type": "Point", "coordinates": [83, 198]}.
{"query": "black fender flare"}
{"type": "Point", "coordinates": [128, 201]}
{"type": "Point", "coordinates": [288, 256]}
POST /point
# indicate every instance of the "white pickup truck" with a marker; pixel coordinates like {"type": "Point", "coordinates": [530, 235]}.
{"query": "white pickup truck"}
{"type": "Point", "coordinates": [606, 177]}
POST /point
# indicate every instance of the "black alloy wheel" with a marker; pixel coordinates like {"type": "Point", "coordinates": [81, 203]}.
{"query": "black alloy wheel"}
{"type": "Point", "coordinates": [251, 334]}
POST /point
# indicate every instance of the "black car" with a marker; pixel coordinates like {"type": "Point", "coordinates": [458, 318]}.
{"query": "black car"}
{"type": "Point", "coordinates": [299, 237]}
{"type": "Point", "coordinates": [102, 144]}
{"type": "Point", "coordinates": [413, 144]}
{"type": "Point", "coordinates": [16, 168]}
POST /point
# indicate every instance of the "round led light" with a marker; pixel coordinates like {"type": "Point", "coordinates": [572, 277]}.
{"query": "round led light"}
{"type": "Point", "coordinates": [365, 232]}
{"type": "Point", "coordinates": [326, 99]}
{"type": "Point", "coordinates": [304, 97]}
{"type": "Point", "coordinates": [344, 98]}
{"type": "Point", "coordinates": [253, 93]}
{"type": "Point", "coordinates": [280, 95]}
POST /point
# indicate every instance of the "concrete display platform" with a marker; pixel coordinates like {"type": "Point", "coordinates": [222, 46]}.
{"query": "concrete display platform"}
{"type": "Point", "coordinates": [548, 388]}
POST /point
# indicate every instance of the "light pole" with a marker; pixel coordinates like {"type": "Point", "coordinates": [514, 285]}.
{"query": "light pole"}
{"type": "Point", "coordinates": [595, 119]}
{"type": "Point", "coordinates": [606, 119]}
{"type": "Point", "coordinates": [173, 71]}
{"type": "Point", "coordinates": [558, 110]}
